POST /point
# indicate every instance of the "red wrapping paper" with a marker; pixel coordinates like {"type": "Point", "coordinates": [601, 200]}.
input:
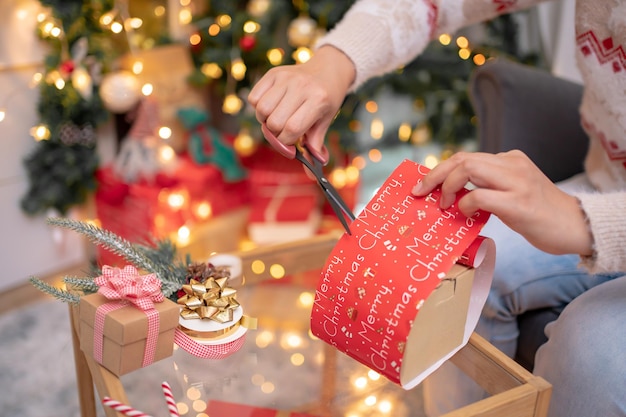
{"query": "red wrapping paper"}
{"type": "Point", "coordinates": [377, 280]}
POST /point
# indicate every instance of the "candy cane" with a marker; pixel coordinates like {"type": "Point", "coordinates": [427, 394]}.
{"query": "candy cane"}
{"type": "Point", "coordinates": [123, 408]}
{"type": "Point", "coordinates": [169, 399]}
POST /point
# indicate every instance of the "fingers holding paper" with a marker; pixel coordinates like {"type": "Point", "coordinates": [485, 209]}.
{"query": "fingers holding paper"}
{"type": "Point", "coordinates": [510, 186]}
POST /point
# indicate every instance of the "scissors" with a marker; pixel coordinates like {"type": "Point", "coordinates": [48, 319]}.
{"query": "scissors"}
{"type": "Point", "coordinates": [318, 159]}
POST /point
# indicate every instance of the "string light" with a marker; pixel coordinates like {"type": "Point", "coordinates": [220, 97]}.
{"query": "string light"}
{"type": "Point", "coordinates": [232, 104]}
{"type": "Point", "coordinates": [275, 56]}
{"type": "Point", "coordinates": [445, 39]}
{"type": "Point", "coordinates": [462, 42]}
{"type": "Point", "coordinates": [251, 27]}
{"type": "Point", "coordinates": [377, 128]}
{"type": "Point", "coordinates": [238, 69]}
{"type": "Point", "coordinates": [147, 89]}
{"type": "Point", "coordinates": [3, 114]}
{"type": "Point", "coordinates": [302, 54]}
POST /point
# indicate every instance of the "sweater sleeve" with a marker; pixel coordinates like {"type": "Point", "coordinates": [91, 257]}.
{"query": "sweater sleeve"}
{"type": "Point", "coordinates": [606, 213]}
{"type": "Point", "coordinates": [381, 35]}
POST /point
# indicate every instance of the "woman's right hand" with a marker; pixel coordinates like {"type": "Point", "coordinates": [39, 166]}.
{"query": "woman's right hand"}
{"type": "Point", "coordinates": [302, 100]}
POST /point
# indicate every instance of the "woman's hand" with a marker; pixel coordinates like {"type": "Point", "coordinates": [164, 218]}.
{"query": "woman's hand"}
{"type": "Point", "coordinates": [302, 100]}
{"type": "Point", "coordinates": [511, 187]}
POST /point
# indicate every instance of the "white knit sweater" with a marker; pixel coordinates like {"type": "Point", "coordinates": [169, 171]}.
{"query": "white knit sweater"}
{"type": "Point", "coordinates": [381, 35]}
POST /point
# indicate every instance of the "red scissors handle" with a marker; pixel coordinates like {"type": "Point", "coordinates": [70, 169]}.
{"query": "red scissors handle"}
{"type": "Point", "coordinates": [289, 151]}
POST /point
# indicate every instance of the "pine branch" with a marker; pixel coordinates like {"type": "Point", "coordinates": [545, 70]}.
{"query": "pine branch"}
{"type": "Point", "coordinates": [57, 293]}
{"type": "Point", "coordinates": [109, 240]}
{"type": "Point", "coordinates": [87, 285]}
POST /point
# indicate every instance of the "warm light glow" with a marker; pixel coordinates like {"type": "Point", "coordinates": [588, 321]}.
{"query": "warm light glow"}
{"type": "Point", "coordinates": [297, 359]}
{"type": "Point", "coordinates": [377, 128]}
{"type": "Point", "coordinates": [258, 266]}
{"type": "Point", "coordinates": [305, 299]}
{"type": "Point", "coordinates": [37, 77]}
{"type": "Point", "coordinates": [354, 125]}
{"type": "Point", "coordinates": [182, 408]}
{"type": "Point", "coordinates": [385, 406]}
{"type": "Point", "coordinates": [56, 31]}
{"type": "Point", "coordinates": [238, 69]}
{"type": "Point", "coordinates": [107, 18]}
{"type": "Point", "coordinates": [464, 53]}
{"type": "Point", "coordinates": [291, 340]}
{"type": "Point", "coordinates": [147, 89]}
{"type": "Point", "coordinates": [404, 132]}
{"type": "Point", "coordinates": [193, 393]}
{"type": "Point", "coordinates": [224, 20]}
{"type": "Point", "coordinates": [135, 22]}
{"type": "Point", "coordinates": [267, 387]}
{"type": "Point", "coordinates": [264, 338]}
{"type": "Point", "coordinates": [184, 16]}
{"type": "Point", "coordinates": [244, 143]}
{"type": "Point", "coordinates": [277, 271]}
{"type": "Point", "coordinates": [359, 162]}
{"type": "Point", "coordinates": [204, 210]}
{"type": "Point", "coordinates": [371, 106]}
{"type": "Point", "coordinates": [251, 27]}
{"type": "Point", "coordinates": [338, 178]}
{"type": "Point", "coordinates": [41, 17]}
{"type": "Point", "coordinates": [159, 11]}
{"type": "Point", "coordinates": [275, 56]}
{"type": "Point", "coordinates": [176, 200]}
{"type": "Point", "coordinates": [40, 132]}
{"type": "Point", "coordinates": [258, 8]}
{"type": "Point", "coordinates": [352, 174]}
{"type": "Point", "coordinates": [302, 54]}
{"type": "Point", "coordinates": [195, 39]}
{"type": "Point", "coordinates": [185, 3]}
{"type": "Point", "coordinates": [445, 39]}
{"type": "Point", "coordinates": [462, 42]}
{"type": "Point", "coordinates": [431, 161]}
{"type": "Point", "coordinates": [421, 134]}
{"type": "Point", "coordinates": [199, 405]}
{"type": "Point", "coordinates": [214, 29]}
{"type": "Point", "coordinates": [375, 155]}
{"type": "Point", "coordinates": [3, 114]}
{"type": "Point", "coordinates": [479, 59]}
{"type": "Point", "coordinates": [370, 400]}
{"type": "Point", "coordinates": [137, 67]}
{"type": "Point", "coordinates": [165, 132]}
{"type": "Point", "coordinates": [373, 375]}
{"type": "Point", "coordinates": [183, 235]}
{"type": "Point", "coordinates": [360, 382]}
{"type": "Point", "coordinates": [211, 70]}
{"type": "Point", "coordinates": [166, 154]}
{"type": "Point", "coordinates": [257, 379]}
{"type": "Point", "coordinates": [116, 27]}
{"type": "Point", "coordinates": [232, 104]}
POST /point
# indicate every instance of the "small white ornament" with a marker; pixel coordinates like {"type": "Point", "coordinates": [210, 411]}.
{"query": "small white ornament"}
{"type": "Point", "coordinates": [302, 31]}
{"type": "Point", "coordinates": [120, 91]}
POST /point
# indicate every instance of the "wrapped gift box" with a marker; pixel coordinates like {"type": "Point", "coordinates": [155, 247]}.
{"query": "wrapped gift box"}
{"type": "Point", "coordinates": [404, 291]}
{"type": "Point", "coordinates": [225, 409]}
{"type": "Point", "coordinates": [125, 333]}
{"type": "Point", "coordinates": [142, 211]}
{"type": "Point", "coordinates": [285, 204]}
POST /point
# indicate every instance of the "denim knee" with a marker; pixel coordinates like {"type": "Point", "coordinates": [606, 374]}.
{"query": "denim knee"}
{"type": "Point", "coordinates": [584, 358]}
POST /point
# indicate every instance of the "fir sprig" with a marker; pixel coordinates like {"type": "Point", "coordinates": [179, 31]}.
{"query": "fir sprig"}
{"type": "Point", "coordinates": [109, 240]}
{"type": "Point", "coordinates": [57, 293]}
{"type": "Point", "coordinates": [86, 284]}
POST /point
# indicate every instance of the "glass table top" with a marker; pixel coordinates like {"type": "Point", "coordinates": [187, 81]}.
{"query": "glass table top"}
{"type": "Point", "coordinates": [281, 366]}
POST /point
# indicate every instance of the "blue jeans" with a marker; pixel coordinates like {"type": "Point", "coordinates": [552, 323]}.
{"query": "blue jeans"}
{"type": "Point", "coordinates": [585, 357]}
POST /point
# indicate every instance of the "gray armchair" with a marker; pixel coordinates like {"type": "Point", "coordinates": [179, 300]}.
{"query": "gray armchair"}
{"type": "Point", "coordinates": [525, 108]}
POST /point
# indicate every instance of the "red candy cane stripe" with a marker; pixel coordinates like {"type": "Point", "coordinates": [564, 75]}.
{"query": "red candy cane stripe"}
{"type": "Point", "coordinates": [169, 399]}
{"type": "Point", "coordinates": [123, 408]}
{"type": "Point", "coordinates": [200, 350]}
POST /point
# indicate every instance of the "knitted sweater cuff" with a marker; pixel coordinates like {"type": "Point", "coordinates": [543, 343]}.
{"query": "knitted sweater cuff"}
{"type": "Point", "coordinates": [607, 220]}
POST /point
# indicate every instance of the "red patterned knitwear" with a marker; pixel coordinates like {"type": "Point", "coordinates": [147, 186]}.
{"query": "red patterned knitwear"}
{"type": "Point", "coordinates": [381, 35]}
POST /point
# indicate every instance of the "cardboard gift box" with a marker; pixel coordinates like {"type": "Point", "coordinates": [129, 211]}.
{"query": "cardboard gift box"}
{"type": "Point", "coordinates": [226, 409]}
{"type": "Point", "coordinates": [285, 203]}
{"type": "Point", "coordinates": [125, 333]}
{"type": "Point", "coordinates": [404, 291]}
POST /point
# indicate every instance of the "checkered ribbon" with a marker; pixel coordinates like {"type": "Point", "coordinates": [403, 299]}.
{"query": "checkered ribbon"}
{"type": "Point", "coordinates": [200, 350]}
{"type": "Point", "coordinates": [126, 287]}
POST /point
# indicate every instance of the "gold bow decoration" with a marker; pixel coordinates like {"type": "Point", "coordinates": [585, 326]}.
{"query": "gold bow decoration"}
{"type": "Point", "coordinates": [212, 299]}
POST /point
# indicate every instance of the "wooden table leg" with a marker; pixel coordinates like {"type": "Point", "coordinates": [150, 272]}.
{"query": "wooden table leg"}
{"type": "Point", "coordinates": [86, 397]}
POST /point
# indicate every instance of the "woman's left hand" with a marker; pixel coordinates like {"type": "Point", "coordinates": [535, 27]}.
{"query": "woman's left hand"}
{"type": "Point", "coordinates": [512, 187]}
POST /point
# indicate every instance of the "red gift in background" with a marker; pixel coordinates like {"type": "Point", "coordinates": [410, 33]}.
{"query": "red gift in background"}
{"type": "Point", "coordinates": [394, 294]}
{"type": "Point", "coordinates": [285, 202]}
{"type": "Point", "coordinates": [192, 195]}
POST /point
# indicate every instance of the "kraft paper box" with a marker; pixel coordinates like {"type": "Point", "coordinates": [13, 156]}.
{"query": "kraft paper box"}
{"type": "Point", "coordinates": [404, 291]}
{"type": "Point", "coordinates": [226, 409]}
{"type": "Point", "coordinates": [125, 332]}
